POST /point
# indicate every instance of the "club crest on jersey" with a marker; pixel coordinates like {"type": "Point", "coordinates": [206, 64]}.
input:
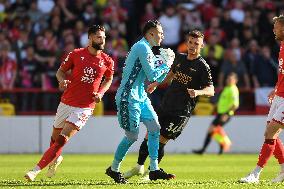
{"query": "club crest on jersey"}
{"type": "Point", "coordinates": [89, 75]}
{"type": "Point", "coordinates": [158, 61]}
{"type": "Point", "coordinates": [82, 58]}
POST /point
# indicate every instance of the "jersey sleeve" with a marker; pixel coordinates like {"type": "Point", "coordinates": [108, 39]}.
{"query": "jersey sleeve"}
{"type": "Point", "coordinates": [174, 65]}
{"type": "Point", "coordinates": [235, 97]}
{"type": "Point", "coordinates": [110, 67]}
{"type": "Point", "coordinates": [206, 78]}
{"type": "Point", "coordinates": [68, 62]}
{"type": "Point", "coordinates": [146, 58]}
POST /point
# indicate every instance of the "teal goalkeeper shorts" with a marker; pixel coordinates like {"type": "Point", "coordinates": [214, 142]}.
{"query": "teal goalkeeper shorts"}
{"type": "Point", "coordinates": [131, 113]}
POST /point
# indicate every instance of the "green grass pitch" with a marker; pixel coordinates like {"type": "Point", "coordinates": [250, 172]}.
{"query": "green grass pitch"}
{"type": "Point", "coordinates": [87, 171]}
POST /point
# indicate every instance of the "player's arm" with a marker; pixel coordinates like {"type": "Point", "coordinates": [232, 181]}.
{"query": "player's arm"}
{"type": "Point", "coordinates": [206, 80]}
{"type": "Point", "coordinates": [167, 80]}
{"type": "Point", "coordinates": [61, 78]}
{"type": "Point", "coordinates": [271, 95]}
{"type": "Point", "coordinates": [146, 58]}
{"type": "Point", "coordinates": [61, 73]}
{"type": "Point", "coordinates": [207, 91]}
{"type": "Point", "coordinates": [105, 85]}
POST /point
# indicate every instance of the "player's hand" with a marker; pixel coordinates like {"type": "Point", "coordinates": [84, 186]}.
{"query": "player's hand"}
{"type": "Point", "coordinates": [168, 55]}
{"type": "Point", "coordinates": [97, 97]}
{"type": "Point", "coordinates": [192, 93]}
{"type": "Point", "coordinates": [152, 87]}
{"type": "Point", "coordinates": [64, 84]}
{"type": "Point", "coordinates": [271, 96]}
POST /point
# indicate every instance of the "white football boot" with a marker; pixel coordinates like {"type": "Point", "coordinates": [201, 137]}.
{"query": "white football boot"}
{"type": "Point", "coordinates": [250, 178]}
{"type": "Point", "coordinates": [31, 175]}
{"type": "Point", "coordinates": [52, 167]}
{"type": "Point", "coordinates": [279, 178]}
{"type": "Point", "coordinates": [145, 176]}
{"type": "Point", "coordinates": [137, 170]}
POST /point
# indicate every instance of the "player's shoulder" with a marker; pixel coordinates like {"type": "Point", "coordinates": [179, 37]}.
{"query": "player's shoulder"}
{"type": "Point", "coordinates": [232, 89]}
{"type": "Point", "coordinates": [180, 57]}
{"type": "Point", "coordinates": [78, 50]}
{"type": "Point", "coordinates": [142, 44]}
{"type": "Point", "coordinates": [203, 62]}
{"type": "Point", "coordinates": [106, 57]}
{"type": "Point", "coordinates": [235, 89]}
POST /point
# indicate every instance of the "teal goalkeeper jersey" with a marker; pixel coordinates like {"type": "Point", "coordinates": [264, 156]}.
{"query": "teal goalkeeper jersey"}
{"type": "Point", "coordinates": [139, 66]}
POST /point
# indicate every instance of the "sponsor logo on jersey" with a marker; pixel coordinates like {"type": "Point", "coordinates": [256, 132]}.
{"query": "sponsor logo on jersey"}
{"type": "Point", "coordinates": [89, 75]}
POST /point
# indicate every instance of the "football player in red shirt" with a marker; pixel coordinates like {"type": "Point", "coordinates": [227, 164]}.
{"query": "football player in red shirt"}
{"type": "Point", "coordinates": [275, 120]}
{"type": "Point", "coordinates": [82, 90]}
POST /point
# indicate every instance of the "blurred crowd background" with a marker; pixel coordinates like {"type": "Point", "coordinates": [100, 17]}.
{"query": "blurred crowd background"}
{"type": "Point", "coordinates": [36, 35]}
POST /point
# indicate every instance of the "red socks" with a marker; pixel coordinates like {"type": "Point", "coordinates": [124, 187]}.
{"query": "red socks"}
{"type": "Point", "coordinates": [53, 152]}
{"type": "Point", "coordinates": [279, 151]}
{"type": "Point", "coordinates": [267, 150]}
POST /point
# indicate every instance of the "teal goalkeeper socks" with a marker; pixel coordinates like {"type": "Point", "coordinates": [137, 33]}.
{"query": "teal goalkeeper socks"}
{"type": "Point", "coordinates": [120, 153]}
{"type": "Point", "coordinates": [153, 146]}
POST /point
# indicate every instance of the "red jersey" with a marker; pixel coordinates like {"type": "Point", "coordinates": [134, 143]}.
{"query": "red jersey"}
{"type": "Point", "coordinates": [279, 89]}
{"type": "Point", "coordinates": [87, 73]}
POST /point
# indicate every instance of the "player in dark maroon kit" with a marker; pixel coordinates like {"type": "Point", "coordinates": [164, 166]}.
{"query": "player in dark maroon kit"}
{"type": "Point", "coordinates": [275, 120]}
{"type": "Point", "coordinates": [82, 91]}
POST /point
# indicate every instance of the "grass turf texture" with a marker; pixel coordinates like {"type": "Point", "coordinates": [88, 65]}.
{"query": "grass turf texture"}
{"type": "Point", "coordinates": [87, 171]}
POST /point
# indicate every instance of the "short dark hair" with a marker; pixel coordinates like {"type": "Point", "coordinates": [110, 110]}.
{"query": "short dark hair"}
{"type": "Point", "coordinates": [196, 34]}
{"type": "Point", "coordinates": [150, 24]}
{"type": "Point", "coordinates": [279, 18]}
{"type": "Point", "coordinates": [94, 28]}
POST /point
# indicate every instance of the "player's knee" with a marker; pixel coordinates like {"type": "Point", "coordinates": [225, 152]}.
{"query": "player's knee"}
{"type": "Point", "coordinates": [154, 134]}
{"type": "Point", "coordinates": [61, 140]}
{"type": "Point", "coordinates": [163, 139]}
{"type": "Point", "coordinates": [152, 125]}
{"type": "Point", "coordinates": [271, 131]}
{"type": "Point", "coordinates": [132, 137]}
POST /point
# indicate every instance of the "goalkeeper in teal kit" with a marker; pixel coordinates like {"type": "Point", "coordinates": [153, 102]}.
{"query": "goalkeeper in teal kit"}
{"type": "Point", "coordinates": [134, 106]}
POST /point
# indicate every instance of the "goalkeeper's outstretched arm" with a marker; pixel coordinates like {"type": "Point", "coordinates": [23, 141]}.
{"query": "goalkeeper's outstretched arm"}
{"type": "Point", "coordinates": [151, 88]}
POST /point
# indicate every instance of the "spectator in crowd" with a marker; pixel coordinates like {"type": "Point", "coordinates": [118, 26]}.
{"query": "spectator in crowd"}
{"type": "Point", "coordinates": [19, 45]}
{"type": "Point", "coordinates": [29, 78]}
{"type": "Point", "coordinates": [25, 22]}
{"type": "Point", "coordinates": [227, 25]}
{"type": "Point", "coordinates": [49, 82]}
{"type": "Point", "coordinates": [8, 71]}
{"type": "Point", "coordinates": [231, 64]}
{"type": "Point", "coordinates": [213, 54]}
{"type": "Point", "coordinates": [264, 69]}
{"type": "Point", "coordinates": [169, 20]}
{"type": "Point", "coordinates": [214, 29]}
{"type": "Point", "coordinates": [251, 55]}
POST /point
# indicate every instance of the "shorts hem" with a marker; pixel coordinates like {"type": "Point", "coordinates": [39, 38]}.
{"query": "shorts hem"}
{"type": "Point", "coordinates": [278, 121]}
{"type": "Point", "coordinates": [78, 128]}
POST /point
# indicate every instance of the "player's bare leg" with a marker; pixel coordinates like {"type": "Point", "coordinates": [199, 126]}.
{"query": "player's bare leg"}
{"type": "Point", "coordinates": [54, 151]}
{"type": "Point", "coordinates": [271, 134]}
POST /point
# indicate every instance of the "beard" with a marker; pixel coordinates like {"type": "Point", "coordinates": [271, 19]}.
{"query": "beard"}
{"type": "Point", "coordinates": [98, 46]}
